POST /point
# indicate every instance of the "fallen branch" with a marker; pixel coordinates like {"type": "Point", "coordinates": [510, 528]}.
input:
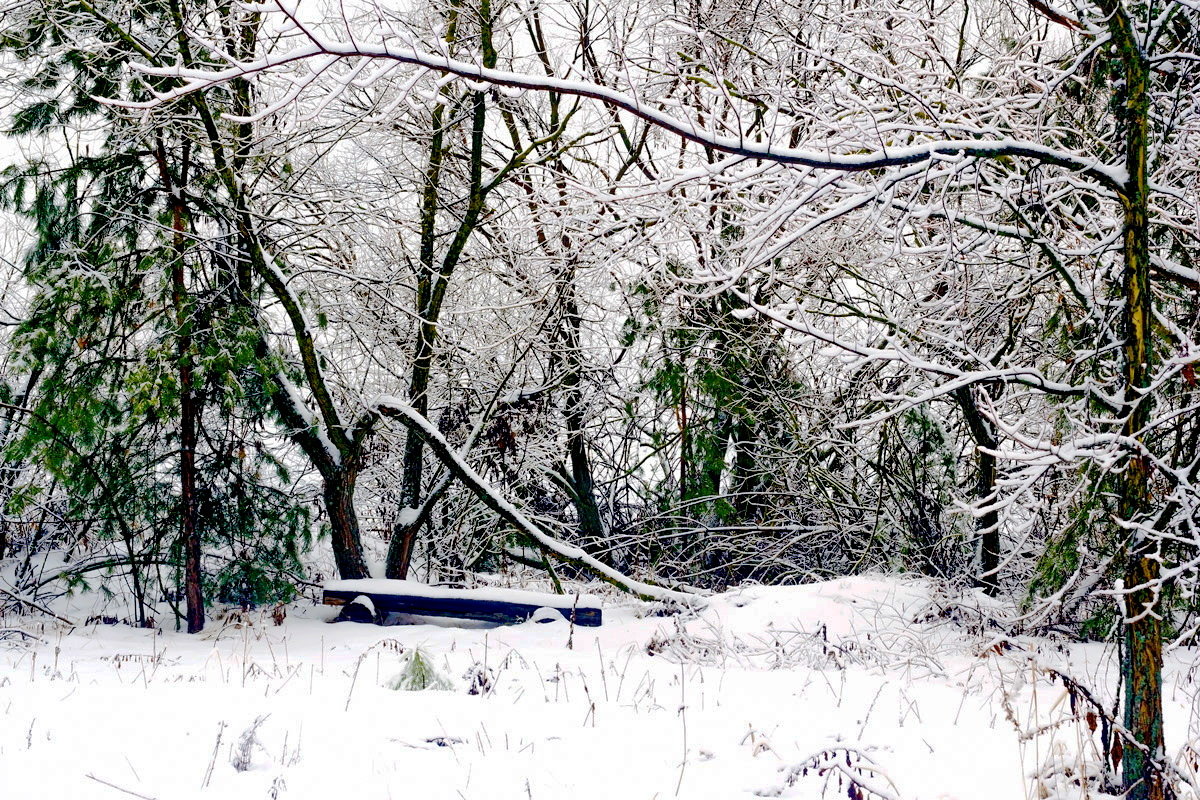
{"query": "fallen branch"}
{"type": "Point", "coordinates": [396, 408]}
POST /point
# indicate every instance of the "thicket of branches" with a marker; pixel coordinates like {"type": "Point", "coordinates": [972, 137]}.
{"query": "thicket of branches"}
{"type": "Point", "coordinates": [683, 296]}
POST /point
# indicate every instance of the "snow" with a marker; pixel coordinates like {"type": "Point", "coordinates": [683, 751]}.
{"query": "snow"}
{"type": "Point", "coordinates": [498, 595]}
{"type": "Point", "coordinates": [889, 679]}
{"type": "Point", "coordinates": [309, 418]}
{"type": "Point", "coordinates": [407, 516]}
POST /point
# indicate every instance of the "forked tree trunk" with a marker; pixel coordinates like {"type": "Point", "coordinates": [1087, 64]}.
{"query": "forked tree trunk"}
{"type": "Point", "coordinates": [432, 285]}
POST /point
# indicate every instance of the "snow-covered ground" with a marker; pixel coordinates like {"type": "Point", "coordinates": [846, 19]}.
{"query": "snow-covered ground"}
{"type": "Point", "coordinates": [837, 689]}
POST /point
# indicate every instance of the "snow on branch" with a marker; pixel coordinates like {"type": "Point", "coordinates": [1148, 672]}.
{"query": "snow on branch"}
{"type": "Point", "coordinates": [323, 49]}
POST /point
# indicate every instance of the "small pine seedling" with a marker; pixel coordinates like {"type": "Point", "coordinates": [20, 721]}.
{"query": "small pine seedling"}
{"type": "Point", "coordinates": [418, 675]}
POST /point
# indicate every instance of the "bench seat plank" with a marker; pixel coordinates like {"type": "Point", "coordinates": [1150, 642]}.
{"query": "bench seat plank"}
{"type": "Point", "coordinates": [502, 606]}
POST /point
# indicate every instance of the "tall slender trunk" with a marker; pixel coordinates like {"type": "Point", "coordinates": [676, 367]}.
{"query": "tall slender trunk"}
{"type": "Point", "coordinates": [581, 483]}
{"type": "Point", "coordinates": [1142, 652]}
{"type": "Point", "coordinates": [189, 410]}
{"type": "Point", "coordinates": [11, 471]}
{"type": "Point", "coordinates": [1143, 659]}
{"type": "Point", "coordinates": [404, 534]}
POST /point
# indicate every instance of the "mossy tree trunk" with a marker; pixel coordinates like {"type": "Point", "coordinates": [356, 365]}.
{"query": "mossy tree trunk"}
{"type": "Point", "coordinates": [1142, 660]}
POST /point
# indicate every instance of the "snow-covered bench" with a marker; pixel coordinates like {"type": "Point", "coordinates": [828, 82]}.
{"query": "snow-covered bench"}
{"type": "Point", "coordinates": [383, 601]}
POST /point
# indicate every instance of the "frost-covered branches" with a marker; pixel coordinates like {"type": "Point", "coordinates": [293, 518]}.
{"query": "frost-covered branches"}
{"type": "Point", "coordinates": [727, 291]}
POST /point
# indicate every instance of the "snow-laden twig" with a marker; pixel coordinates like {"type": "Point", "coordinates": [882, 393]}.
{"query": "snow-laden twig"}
{"type": "Point", "coordinates": [864, 779]}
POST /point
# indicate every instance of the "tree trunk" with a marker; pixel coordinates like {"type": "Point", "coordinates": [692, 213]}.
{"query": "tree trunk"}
{"type": "Point", "coordinates": [11, 471]}
{"type": "Point", "coordinates": [1142, 661]}
{"type": "Point", "coordinates": [404, 533]}
{"type": "Point", "coordinates": [189, 411]}
{"type": "Point", "coordinates": [189, 529]}
{"type": "Point", "coordinates": [338, 491]}
{"type": "Point", "coordinates": [987, 525]}
{"type": "Point", "coordinates": [747, 480]}
{"type": "Point", "coordinates": [1142, 667]}
{"type": "Point", "coordinates": [583, 485]}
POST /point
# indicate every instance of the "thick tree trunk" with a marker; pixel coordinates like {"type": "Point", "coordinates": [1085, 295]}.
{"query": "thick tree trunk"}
{"type": "Point", "coordinates": [343, 524]}
{"type": "Point", "coordinates": [338, 475]}
{"type": "Point", "coordinates": [404, 533]}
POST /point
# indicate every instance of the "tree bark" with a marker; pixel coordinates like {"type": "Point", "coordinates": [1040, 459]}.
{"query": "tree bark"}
{"type": "Point", "coordinates": [12, 412]}
{"type": "Point", "coordinates": [1142, 655]}
{"type": "Point", "coordinates": [338, 492]}
{"type": "Point", "coordinates": [583, 484]}
{"type": "Point", "coordinates": [404, 534]}
{"type": "Point", "coordinates": [189, 411]}
{"type": "Point", "coordinates": [987, 525]}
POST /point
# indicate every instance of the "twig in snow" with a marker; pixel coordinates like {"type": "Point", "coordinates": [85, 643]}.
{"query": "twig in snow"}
{"type": "Point", "coordinates": [683, 721]}
{"type": "Point", "coordinates": [119, 788]}
{"type": "Point", "coordinates": [35, 605]}
{"type": "Point", "coordinates": [213, 762]}
{"type": "Point", "coordinates": [6, 632]}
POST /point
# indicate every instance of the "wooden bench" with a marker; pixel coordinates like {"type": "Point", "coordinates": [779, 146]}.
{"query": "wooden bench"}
{"type": "Point", "coordinates": [375, 600]}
